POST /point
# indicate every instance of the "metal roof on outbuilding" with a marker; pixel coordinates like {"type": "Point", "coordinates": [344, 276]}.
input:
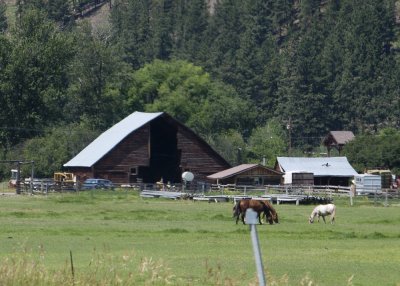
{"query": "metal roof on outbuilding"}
{"type": "Point", "coordinates": [322, 166]}
{"type": "Point", "coordinates": [110, 138]}
{"type": "Point", "coordinates": [238, 170]}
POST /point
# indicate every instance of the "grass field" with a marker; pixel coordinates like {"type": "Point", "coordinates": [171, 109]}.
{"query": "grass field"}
{"type": "Point", "coordinates": [118, 238]}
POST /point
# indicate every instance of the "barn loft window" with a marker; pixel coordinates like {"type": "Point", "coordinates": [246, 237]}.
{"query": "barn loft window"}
{"type": "Point", "coordinates": [134, 171]}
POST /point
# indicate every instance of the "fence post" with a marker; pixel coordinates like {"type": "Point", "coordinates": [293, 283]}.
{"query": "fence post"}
{"type": "Point", "coordinates": [351, 198]}
{"type": "Point", "coordinates": [386, 198]}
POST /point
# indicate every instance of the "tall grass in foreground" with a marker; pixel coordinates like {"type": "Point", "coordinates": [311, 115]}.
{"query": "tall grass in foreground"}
{"type": "Point", "coordinates": [106, 270]}
{"type": "Point", "coordinates": [25, 269]}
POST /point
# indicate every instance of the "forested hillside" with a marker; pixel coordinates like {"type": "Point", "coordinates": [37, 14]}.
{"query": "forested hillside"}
{"type": "Point", "coordinates": [261, 77]}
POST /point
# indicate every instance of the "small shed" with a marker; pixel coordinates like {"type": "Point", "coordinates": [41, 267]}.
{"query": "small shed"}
{"type": "Point", "coordinates": [145, 148]}
{"type": "Point", "coordinates": [334, 171]}
{"type": "Point", "coordinates": [247, 174]}
{"type": "Point", "coordinates": [298, 178]}
{"type": "Point", "coordinates": [337, 140]}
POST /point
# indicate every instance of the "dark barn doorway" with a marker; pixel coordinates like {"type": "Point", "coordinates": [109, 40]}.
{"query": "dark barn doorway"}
{"type": "Point", "coordinates": [164, 156]}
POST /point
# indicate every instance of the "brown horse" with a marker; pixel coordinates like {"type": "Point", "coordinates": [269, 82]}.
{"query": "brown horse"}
{"type": "Point", "coordinates": [239, 210]}
{"type": "Point", "coordinates": [271, 211]}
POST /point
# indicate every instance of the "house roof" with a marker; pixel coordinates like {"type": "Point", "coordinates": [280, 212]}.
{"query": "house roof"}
{"type": "Point", "coordinates": [237, 170]}
{"type": "Point", "coordinates": [110, 138]}
{"type": "Point", "coordinates": [339, 137]}
{"type": "Point", "coordinates": [321, 167]}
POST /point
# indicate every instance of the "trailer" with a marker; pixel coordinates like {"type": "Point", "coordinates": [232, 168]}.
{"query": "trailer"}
{"type": "Point", "coordinates": [368, 184]}
{"type": "Point", "coordinates": [386, 176]}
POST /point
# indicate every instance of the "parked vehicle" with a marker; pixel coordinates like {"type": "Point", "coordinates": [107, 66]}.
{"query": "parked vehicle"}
{"type": "Point", "coordinates": [89, 184]}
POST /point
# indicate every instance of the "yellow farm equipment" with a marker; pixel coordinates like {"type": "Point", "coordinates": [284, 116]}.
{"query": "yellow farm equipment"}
{"type": "Point", "coordinates": [64, 181]}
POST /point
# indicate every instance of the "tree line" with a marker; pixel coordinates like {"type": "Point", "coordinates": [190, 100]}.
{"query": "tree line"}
{"type": "Point", "coordinates": [258, 77]}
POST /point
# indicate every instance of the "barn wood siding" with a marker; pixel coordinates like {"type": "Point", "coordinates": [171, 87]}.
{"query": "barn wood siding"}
{"type": "Point", "coordinates": [267, 176]}
{"type": "Point", "coordinates": [82, 173]}
{"type": "Point", "coordinates": [131, 152]}
{"type": "Point", "coordinates": [196, 158]}
{"type": "Point", "coordinates": [259, 171]}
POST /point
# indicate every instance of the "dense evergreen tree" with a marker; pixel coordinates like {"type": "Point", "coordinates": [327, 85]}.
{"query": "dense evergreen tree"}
{"type": "Point", "coordinates": [223, 39]}
{"type": "Point", "coordinates": [96, 76]}
{"type": "Point", "coordinates": [131, 27]}
{"type": "Point", "coordinates": [322, 65]}
{"type": "Point", "coordinates": [3, 17]}
{"type": "Point", "coordinates": [364, 35]}
{"type": "Point", "coordinates": [255, 50]}
{"type": "Point", "coordinates": [5, 119]}
{"type": "Point", "coordinates": [190, 30]}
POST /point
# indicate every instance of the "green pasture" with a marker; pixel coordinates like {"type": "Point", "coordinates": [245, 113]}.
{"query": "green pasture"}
{"type": "Point", "coordinates": [139, 241]}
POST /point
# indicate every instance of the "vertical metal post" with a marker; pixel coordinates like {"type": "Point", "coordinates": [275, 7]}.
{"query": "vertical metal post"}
{"type": "Point", "coordinates": [18, 181]}
{"type": "Point", "coordinates": [251, 219]}
{"type": "Point", "coordinates": [289, 127]}
{"type": "Point", "coordinates": [32, 174]}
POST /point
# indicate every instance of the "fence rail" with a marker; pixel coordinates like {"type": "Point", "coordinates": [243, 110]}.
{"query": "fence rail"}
{"type": "Point", "coordinates": [278, 193]}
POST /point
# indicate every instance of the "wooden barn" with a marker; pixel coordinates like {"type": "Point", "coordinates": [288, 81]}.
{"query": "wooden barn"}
{"type": "Point", "coordinates": [247, 174]}
{"type": "Point", "coordinates": [146, 147]}
{"type": "Point", "coordinates": [337, 140]}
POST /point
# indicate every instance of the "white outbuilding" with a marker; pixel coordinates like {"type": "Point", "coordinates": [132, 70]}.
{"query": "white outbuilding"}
{"type": "Point", "coordinates": [333, 171]}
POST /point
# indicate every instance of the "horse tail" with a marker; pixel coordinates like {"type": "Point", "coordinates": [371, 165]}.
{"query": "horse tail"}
{"type": "Point", "coordinates": [236, 210]}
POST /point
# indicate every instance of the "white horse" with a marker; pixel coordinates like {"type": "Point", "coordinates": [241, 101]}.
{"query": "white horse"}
{"type": "Point", "coordinates": [323, 210]}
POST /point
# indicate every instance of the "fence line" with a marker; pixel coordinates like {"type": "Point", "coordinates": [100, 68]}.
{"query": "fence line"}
{"type": "Point", "coordinates": [385, 197]}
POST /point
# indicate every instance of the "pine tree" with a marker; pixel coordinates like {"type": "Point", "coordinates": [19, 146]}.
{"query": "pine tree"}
{"type": "Point", "coordinates": [3, 17]}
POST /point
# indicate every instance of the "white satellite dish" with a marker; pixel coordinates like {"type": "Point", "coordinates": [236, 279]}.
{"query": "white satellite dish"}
{"type": "Point", "coordinates": [187, 176]}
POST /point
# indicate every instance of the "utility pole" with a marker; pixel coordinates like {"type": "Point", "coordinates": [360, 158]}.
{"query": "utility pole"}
{"type": "Point", "coordinates": [289, 128]}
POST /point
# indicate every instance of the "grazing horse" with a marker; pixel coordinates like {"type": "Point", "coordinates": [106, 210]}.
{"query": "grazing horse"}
{"type": "Point", "coordinates": [239, 210]}
{"type": "Point", "coordinates": [271, 212]}
{"type": "Point", "coordinates": [323, 210]}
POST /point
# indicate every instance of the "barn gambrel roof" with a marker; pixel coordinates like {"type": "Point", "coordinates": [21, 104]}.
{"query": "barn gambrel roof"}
{"type": "Point", "coordinates": [320, 167]}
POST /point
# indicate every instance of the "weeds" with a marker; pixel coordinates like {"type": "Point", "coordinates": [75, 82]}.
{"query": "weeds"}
{"type": "Point", "coordinates": [26, 269]}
